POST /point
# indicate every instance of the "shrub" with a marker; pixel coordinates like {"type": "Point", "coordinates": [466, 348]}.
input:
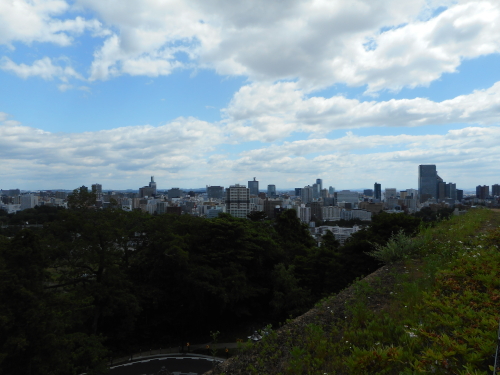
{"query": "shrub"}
{"type": "Point", "coordinates": [400, 246]}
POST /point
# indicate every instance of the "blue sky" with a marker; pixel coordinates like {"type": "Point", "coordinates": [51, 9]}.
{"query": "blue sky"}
{"type": "Point", "coordinates": [213, 92]}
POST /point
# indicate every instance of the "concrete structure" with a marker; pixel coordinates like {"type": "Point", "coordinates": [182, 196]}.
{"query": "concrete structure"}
{"type": "Point", "coordinates": [97, 190]}
{"type": "Point", "coordinates": [374, 208]}
{"type": "Point", "coordinates": [238, 200]}
{"type": "Point", "coordinates": [306, 195]}
{"type": "Point", "coordinates": [390, 193]}
{"type": "Point", "coordinates": [303, 213]}
{"type": "Point", "coordinates": [331, 213]}
{"type": "Point", "coordinates": [28, 201]}
{"type": "Point", "coordinates": [482, 192]}
{"type": "Point", "coordinates": [495, 190]}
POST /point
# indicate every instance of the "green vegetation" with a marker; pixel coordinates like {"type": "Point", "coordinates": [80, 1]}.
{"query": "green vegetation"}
{"type": "Point", "coordinates": [94, 283]}
{"type": "Point", "coordinates": [436, 311]}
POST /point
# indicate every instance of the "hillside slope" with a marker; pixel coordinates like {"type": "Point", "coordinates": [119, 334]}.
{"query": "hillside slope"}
{"type": "Point", "coordinates": [435, 312]}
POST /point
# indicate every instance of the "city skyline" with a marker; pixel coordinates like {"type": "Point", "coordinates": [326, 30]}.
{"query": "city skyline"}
{"type": "Point", "coordinates": [198, 93]}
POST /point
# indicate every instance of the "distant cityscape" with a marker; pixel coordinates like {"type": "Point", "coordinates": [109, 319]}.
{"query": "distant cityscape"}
{"type": "Point", "coordinates": [313, 203]}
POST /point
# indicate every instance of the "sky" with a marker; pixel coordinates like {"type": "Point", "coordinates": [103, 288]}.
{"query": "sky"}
{"type": "Point", "coordinates": [212, 92]}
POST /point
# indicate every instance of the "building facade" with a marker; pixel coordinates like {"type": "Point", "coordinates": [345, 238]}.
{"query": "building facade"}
{"type": "Point", "coordinates": [238, 200]}
{"type": "Point", "coordinates": [254, 187]}
{"type": "Point", "coordinates": [427, 182]}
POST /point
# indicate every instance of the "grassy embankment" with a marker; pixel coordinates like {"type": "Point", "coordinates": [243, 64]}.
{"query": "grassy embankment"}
{"type": "Point", "coordinates": [435, 311]}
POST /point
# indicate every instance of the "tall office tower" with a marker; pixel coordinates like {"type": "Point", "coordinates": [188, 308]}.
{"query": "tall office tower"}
{"type": "Point", "coordinates": [152, 185]}
{"type": "Point", "coordinates": [495, 190]}
{"type": "Point", "coordinates": [319, 181]}
{"type": "Point", "coordinates": [482, 192]}
{"type": "Point", "coordinates": [238, 200]}
{"type": "Point", "coordinates": [377, 191]}
{"type": "Point", "coordinates": [306, 195]}
{"type": "Point", "coordinates": [97, 190]}
{"type": "Point", "coordinates": [390, 193]}
{"type": "Point", "coordinates": [215, 192]}
{"type": "Point", "coordinates": [441, 190]}
{"type": "Point", "coordinates": [460, 195]}
{"type": "Point", "coordinates": [368, 192]}
{"type": "Point", "coordinates": [298, 192]}
{"type": "Point", "coordinates": [316, 191]}
{"type": "Point", "coordinates": [331, 190]}
{"type": "Point", "coordinates": [427, 182]}
{"type": "Point", "coordinates": [324, 194]}
{"type": "Point", "coordinates": [271, 191]}
{"type": "Point", "coordinates": [254, 187]}
{"type": "Point", "coordinates": [451, 191]}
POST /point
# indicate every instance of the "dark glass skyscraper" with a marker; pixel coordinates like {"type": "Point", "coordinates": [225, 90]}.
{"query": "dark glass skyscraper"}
{"type": "Point", "coordinates": [254, 187]}
{"type": "Point", "coordinates": [427, 182]}
{"type": "Point", "coordinates": [377, 191]}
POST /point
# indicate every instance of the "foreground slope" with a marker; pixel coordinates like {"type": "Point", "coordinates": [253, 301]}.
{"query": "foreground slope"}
{"type": "Point", "coordinates": [435, 312]}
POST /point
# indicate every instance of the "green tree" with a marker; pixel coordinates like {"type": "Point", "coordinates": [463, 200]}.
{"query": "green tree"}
{"type": "Point", "coordinates": [37, 326]}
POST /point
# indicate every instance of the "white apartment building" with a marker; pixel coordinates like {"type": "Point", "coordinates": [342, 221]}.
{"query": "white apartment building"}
{"type": "Point", "coordinates": [238, 200]}
{"type": "Point", "coordinates": [303, 213]}
{"type": "Point", "coordinates": [28, 201]}
{"type": "Point", "coordinates": [331, 213]}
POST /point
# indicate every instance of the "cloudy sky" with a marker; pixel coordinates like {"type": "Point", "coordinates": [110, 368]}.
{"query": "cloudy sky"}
{"type": "Point", "coordinates": [199, 92]}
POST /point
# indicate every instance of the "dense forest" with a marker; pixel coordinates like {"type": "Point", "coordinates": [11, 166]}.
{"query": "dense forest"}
{"type": "Point", "coordinates": [94, 283]}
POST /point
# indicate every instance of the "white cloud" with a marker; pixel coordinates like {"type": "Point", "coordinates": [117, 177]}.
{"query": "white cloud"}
{"type": "Point", "coordinates": [467, 156]}
{"type": "Point", "coordinates": [36, 21]}
{"type": "Point", "coordinates": [43, 68]}
{"type": "Point", "coordinates": [382, 44]}
{"type": "Point", "coordinates": [318, 43]}
{"type": "Point", "coordinates": [180, 145]}
{"type": "Point", "coordinates": [272, 112]}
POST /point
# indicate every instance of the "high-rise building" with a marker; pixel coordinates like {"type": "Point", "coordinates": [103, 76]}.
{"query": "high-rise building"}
{"type": "Point", "coordinates": [97, 190]}
{"type": "Point", "coordinates": [451, 191]}
{"type": "Point", "coordinates": [482, 192]}
{"type": "Point", "coordinates": [368, 192]}
{"type": "Point", "coordinates": [390, 193]}
{"type": "Point", "coordinates": [238, 200]}
{"type": "Point", "coordinates": [331, 190]}
{"type": "Point", "coordinates": [460, 195]}
{"type": "Point", "coordinates": [254, 187]}
{"type": "Point", "coordinates": [298, 192]}
{"type": "Point", "coordinates": [306, 195]}
{"type": "Point", "coordinates": [495, 190]}
{"type": "Point", "coordinates": [148, 191]}
{"type": "Point", "coordinates": [324, 194]}
{"type": "Point", "coordinates": [215, 192]}
{"type": "Point", "coordinates": [441, 190]}
{"type": "Point", "coordinates": [271, 191]}
{"type": "Point", "coordinates": [377, 191]}
{"type": "Point", "coordinates": [152, 185]}
{"type": "Point", "coordinates": [316, 192]}
{"type": "Point", "coordinates": [319, 181]}
{"type": "Point", "coordinates": [427, 182]}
